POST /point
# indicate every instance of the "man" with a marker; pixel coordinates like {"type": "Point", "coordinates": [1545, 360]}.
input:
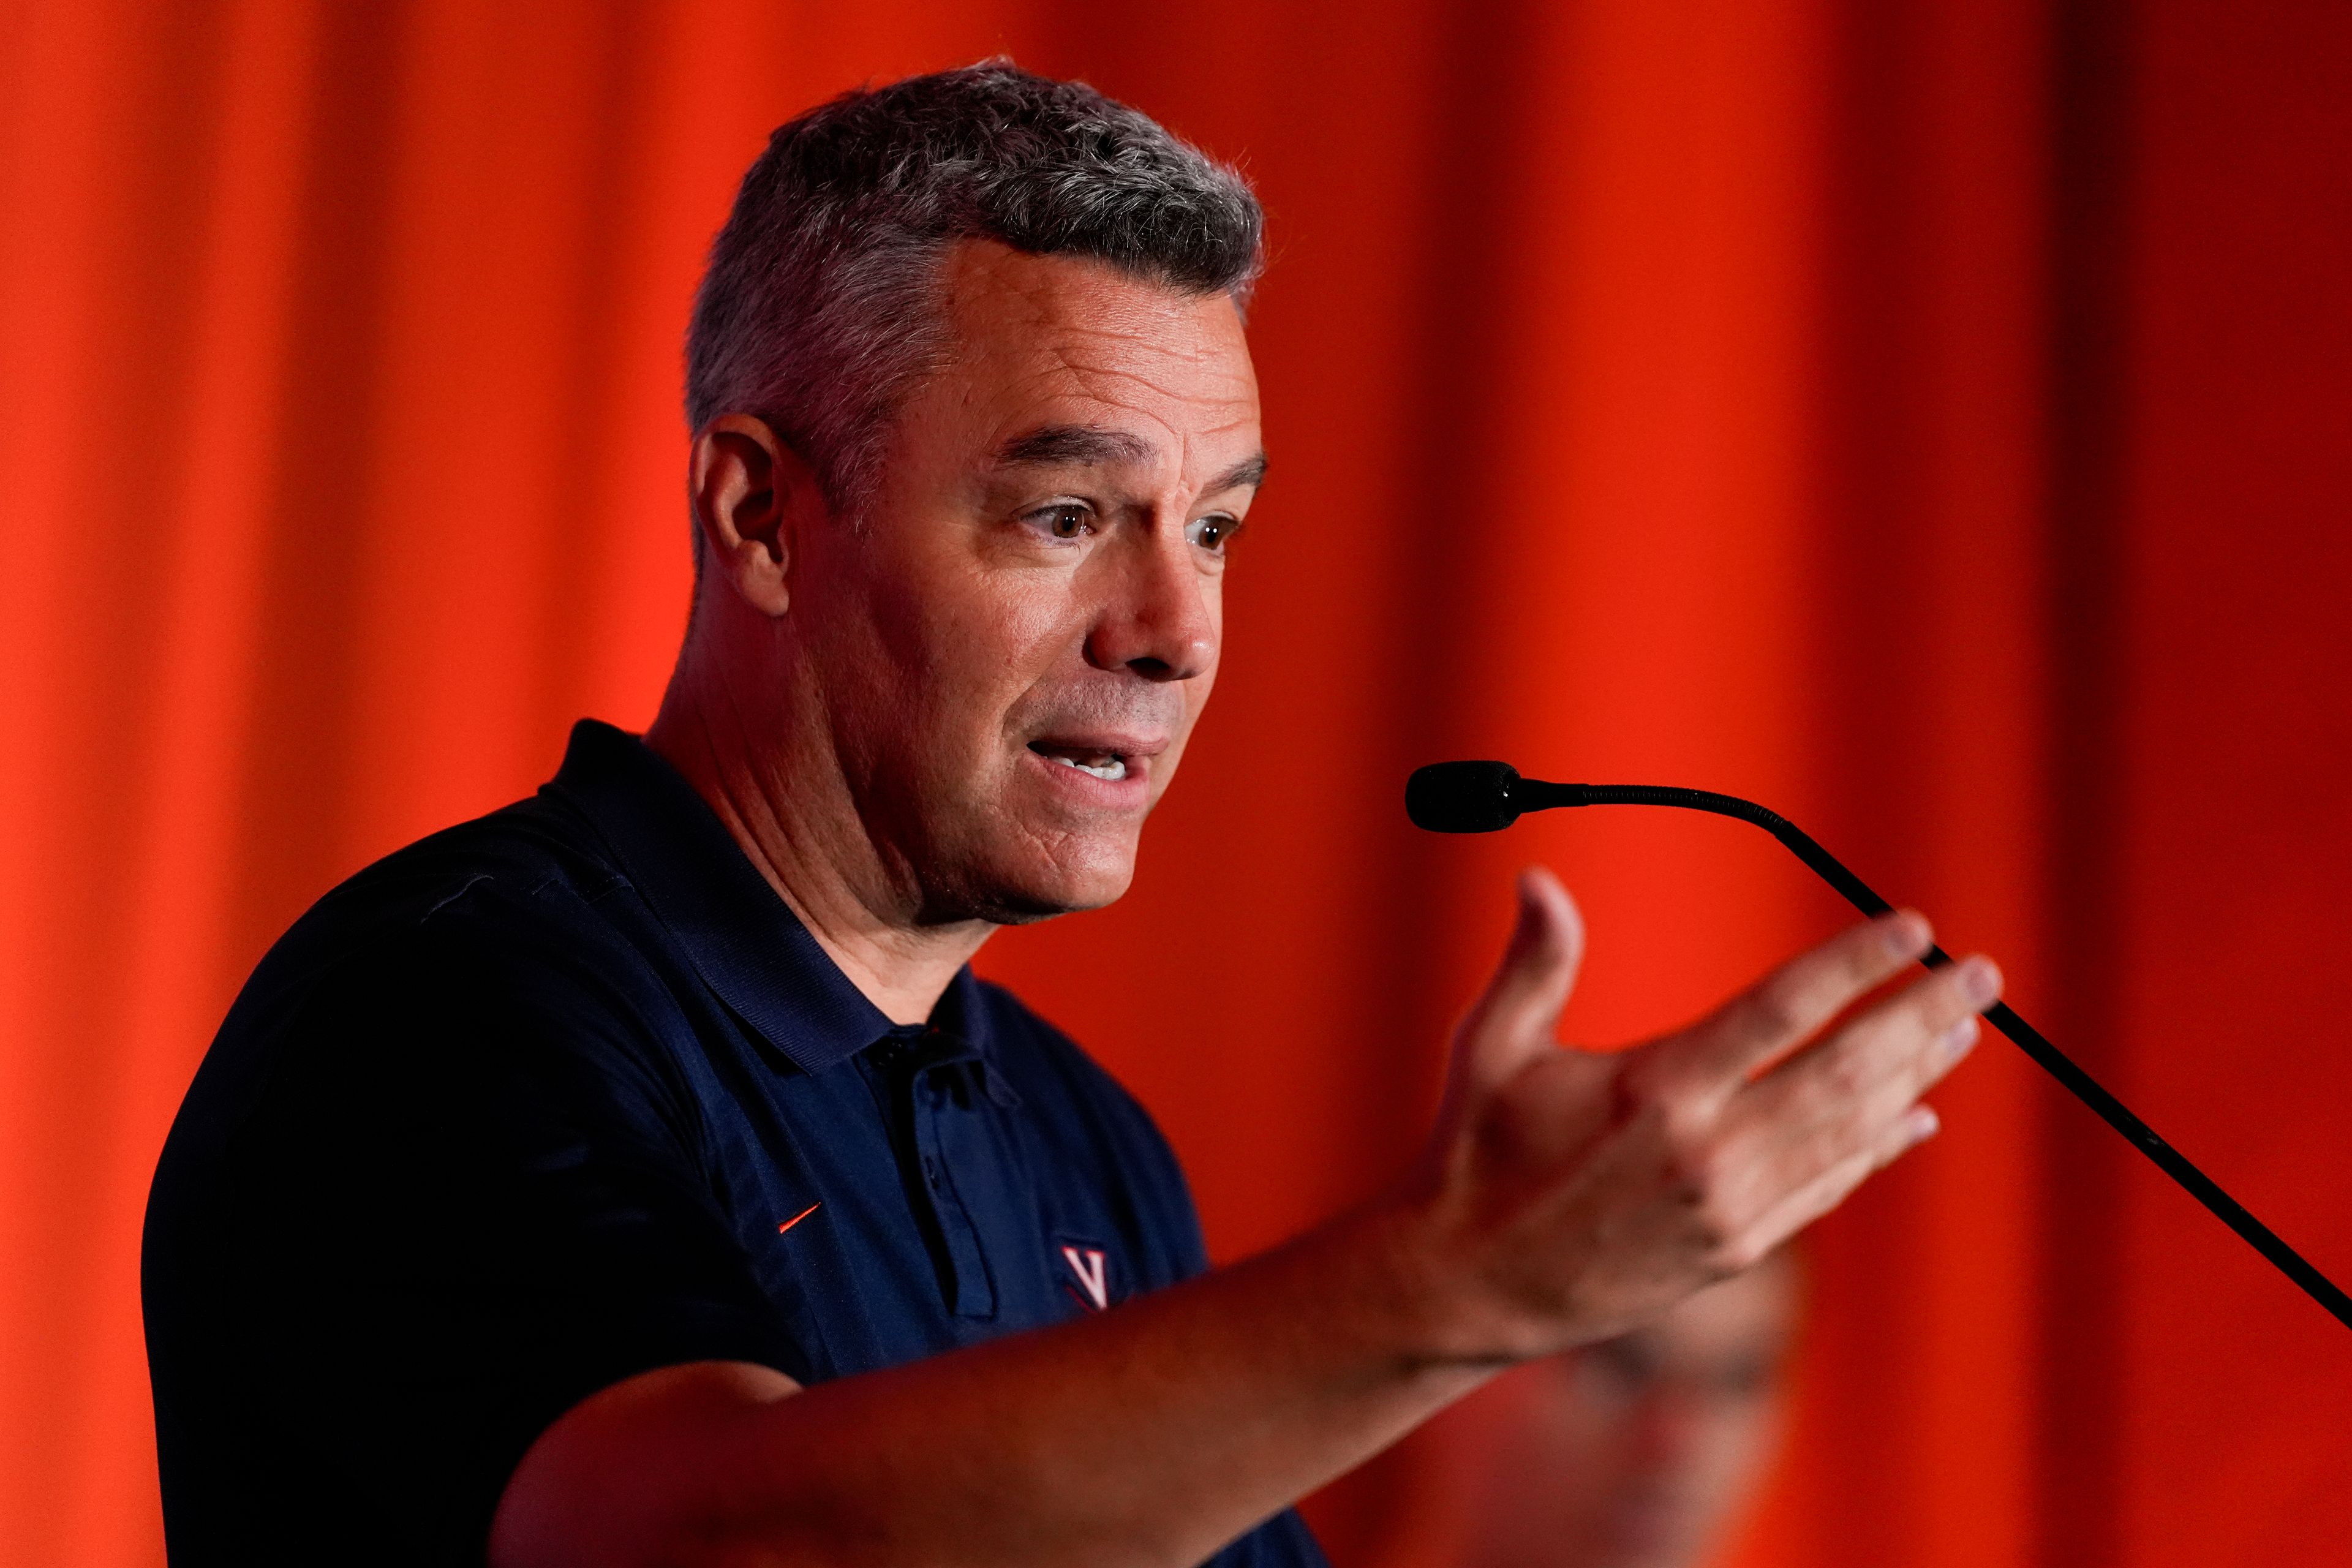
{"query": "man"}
{"type": "Point", "coordinates": [1638, 1451]}
{"type": "Point", "coordinates": [639, 1176]}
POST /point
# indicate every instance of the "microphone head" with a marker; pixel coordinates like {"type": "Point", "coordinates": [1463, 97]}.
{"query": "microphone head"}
{"type": "Point", "coordinates": [1462, 797]}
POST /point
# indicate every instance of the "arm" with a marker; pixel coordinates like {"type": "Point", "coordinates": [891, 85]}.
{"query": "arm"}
{"type": "Point", "coordinates": [1563, 1197]}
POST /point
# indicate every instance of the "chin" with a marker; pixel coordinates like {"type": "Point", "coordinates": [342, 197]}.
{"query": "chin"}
{"type": "Point", "coordinates": [1026, 894]}
{"type": "Point", "coordinates": [1027, 905]}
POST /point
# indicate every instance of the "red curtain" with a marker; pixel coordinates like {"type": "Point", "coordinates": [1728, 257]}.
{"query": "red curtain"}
{"type": "Point", "coordinates": [1933, 419]}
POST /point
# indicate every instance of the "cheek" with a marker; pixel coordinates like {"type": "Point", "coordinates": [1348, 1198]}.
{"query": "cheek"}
{"type": "Point", "coordinates": [961, 645]}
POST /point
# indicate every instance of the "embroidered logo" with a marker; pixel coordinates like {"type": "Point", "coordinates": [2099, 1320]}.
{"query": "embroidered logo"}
{"type": "Point", "coordinates": [798, 1217]}
{"type": "Point", "coordinates": [1086, 1263]}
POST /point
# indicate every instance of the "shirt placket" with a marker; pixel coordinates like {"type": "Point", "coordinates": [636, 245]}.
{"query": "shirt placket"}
{"type": "Point", "coordinates": [947, 1140]}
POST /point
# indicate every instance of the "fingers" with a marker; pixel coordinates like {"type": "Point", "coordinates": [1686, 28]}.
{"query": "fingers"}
{"type": "Point", "coordinates": [1784, 1010]}
{"type": "Point", "coordinates": [1876, 1066]}
{"type": "Point", "coordinates": [1832, 1186]}
{"type": "Point", "coordinates": [1813, 1128]}
{"type": "Point", "coordinates": [1512, 1022]}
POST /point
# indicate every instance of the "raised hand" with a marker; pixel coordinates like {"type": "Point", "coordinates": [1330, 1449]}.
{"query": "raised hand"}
{"type": "Point", "coordinates": [1572, 1195]}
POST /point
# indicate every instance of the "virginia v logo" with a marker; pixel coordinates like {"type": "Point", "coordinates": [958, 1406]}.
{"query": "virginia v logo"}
{"type": "Point", "coordinates": [1086, 1263]}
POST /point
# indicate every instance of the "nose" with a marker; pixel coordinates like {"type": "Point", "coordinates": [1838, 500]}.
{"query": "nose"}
{"type": "Point", "coordinates": [1155, 617]}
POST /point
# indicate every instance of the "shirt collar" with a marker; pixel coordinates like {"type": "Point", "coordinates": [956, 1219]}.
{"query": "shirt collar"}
{"type": "Point", "coordinates": [743, 940]}
{"type": "Point", "coordinates": [962, 1013]}
{"type": "Point", "coordinates": [957, 1037]}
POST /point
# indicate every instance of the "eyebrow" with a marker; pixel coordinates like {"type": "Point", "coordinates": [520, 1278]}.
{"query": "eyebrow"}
{"type": "Point", "coordinates": [1249, 471]}
{"type": "Point", "coordinates": [1066, 445]}
{"type": "Point", "coordinates": [1098, 445]}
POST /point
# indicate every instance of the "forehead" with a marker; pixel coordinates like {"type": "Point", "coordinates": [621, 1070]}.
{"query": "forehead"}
{"type": "Point", "coordinates": [1040, 338]}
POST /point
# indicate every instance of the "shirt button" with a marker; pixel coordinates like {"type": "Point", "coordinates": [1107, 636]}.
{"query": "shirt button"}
{"type": "Point", "coordinates": [931, 1171]}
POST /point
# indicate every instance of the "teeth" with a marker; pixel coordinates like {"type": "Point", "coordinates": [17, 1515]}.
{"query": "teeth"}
{"type": "Point", "coordinates": [1115, 768]}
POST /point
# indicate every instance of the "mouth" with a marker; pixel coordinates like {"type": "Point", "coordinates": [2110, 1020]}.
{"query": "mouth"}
{"type": "Point", "coordinates": [1093, 761]}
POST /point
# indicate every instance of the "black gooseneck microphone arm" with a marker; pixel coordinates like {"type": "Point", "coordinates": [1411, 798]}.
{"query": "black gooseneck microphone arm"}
{"type": "Point", "coordinates": [1456, 800]}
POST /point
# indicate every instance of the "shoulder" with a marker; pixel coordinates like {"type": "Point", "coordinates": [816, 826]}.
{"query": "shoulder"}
{"type": "Point", "coordinates": [503, 942]}
{"type": "Point", "coordinates": [524, 888]}
{"type": "Point", "coordinates": [530, 868]}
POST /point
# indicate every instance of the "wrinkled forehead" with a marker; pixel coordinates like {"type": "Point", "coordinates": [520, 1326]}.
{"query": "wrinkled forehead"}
{"type": "Point", "coordinates": [1043, 340]}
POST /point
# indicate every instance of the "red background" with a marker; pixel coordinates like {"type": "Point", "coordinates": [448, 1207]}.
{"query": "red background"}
{"type": "Point", "coordinates": [1935, 420]}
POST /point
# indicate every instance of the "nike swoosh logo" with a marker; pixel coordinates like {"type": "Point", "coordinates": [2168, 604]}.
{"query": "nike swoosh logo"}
{"type": "Point", "coordinates": [798, 1217]}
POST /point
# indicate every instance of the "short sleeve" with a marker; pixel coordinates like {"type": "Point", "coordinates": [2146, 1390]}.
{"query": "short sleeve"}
{"type": "Point", "coordinates": [471, 1193]}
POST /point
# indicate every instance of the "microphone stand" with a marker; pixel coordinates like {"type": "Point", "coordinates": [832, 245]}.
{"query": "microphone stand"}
{"type": "Point", "coordinates": [1451, 797]}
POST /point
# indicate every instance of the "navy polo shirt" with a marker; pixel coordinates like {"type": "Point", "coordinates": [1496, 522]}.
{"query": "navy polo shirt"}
{"type": "Point", "coordinates": [564, 1095]}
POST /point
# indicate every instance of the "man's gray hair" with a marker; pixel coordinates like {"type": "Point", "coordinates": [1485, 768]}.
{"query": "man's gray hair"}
{"type": "Point", "coordinates": [822, 300]}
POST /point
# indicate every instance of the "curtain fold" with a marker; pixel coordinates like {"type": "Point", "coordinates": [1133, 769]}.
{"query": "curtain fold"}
{"type": "Point", "coordinates": [1930, 420]}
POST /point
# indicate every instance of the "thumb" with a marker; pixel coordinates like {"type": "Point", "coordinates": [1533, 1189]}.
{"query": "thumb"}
{"type": "Point", "coordinates": [1513, 1021]}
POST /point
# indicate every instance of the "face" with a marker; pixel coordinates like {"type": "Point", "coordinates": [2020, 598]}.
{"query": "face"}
{"type": "Point", "coordinates": [1635, 1452]}
{"type": "Point", "coordinates": [1013, 643]}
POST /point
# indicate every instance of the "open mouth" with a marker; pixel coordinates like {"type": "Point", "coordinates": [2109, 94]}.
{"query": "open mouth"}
{"type": "Point", "coordinates": [1109, 766]}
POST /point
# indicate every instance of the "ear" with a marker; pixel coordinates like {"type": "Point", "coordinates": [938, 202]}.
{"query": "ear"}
{"type": "Point", "coordinates": [749, 490]}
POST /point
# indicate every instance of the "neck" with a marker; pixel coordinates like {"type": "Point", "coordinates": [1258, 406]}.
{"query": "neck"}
{"type": "Point", "coordinates": [791, 814]}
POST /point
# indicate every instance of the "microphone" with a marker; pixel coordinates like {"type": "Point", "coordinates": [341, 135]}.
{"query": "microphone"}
{"type": "Point", "coordinates": [1487, 796]}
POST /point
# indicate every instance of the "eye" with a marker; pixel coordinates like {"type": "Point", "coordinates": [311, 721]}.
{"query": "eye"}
{"type": "Point", "coordinates": [1212, 532]}
{"type": "Point", "coordinates": [1064, 520]}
